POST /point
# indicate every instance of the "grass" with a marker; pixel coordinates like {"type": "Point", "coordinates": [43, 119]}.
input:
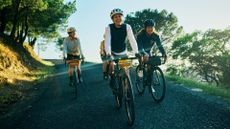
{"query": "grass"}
{"type": "Point", "coordinates": [207, 88]}
{"type": "Point", "coordinates": [19, 70]}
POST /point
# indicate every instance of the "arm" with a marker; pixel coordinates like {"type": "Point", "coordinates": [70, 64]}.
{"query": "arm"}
{"type": "Point", "coordinates": [64, 48]}
{"type": "Point", "coordinates": [107, 41]}
{"type": "Point", "coordinates": [102, 47]}
{"type": "Point", "coordinates": [159, 45]}
{"type": "Point", "coordinates": [79, 43]}
{"type": "Point", "coordinates": [132, 39]}
{"type": "Point", "coordinates": [140, 43]}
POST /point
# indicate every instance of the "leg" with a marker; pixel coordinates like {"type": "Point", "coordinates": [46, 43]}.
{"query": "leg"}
{"type": "Point", "coordinates": [149, 74]}
{"type": "Point", "coordinates": [70, 71]}
{"type": "Point", "coordinates": [104, 69]}
{"type": "Point", "coordinates": [111, 68]}
{"type": "Point", "coordinates": [79, 71]}
{"type": "Point", "coordinates": [112, 77]}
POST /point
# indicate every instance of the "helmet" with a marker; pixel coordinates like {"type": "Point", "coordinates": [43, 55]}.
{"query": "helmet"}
{"type": "Point", "coordinates": [71, 29]}
{"type": "Point", "coordinates": [116, 11]}
{"type": "Point", "coordinates": [149, 22]}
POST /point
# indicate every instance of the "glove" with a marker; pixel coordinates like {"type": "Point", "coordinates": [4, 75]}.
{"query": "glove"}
{"type": "Point", "coordinates": [83, 58]}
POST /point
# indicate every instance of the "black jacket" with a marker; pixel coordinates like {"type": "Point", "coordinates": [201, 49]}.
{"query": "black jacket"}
{"type": "Point", "coordinates": [145, 42]}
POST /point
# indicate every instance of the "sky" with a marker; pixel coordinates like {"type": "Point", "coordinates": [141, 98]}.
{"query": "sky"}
{"type": "Point", "coordinates": [92, 16]}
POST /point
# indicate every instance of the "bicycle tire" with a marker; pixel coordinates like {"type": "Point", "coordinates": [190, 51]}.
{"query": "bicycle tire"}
{"type": "Point", "coordinates": [139, 82]}
{"type": "Point", "coordinates": [75, 83]}
{"type": "Point", "coordinates": [118, 94]}
{"type": "Point", "coordinates": [158, 81]}
{"type": "Point", "coordinates": [129, 101]}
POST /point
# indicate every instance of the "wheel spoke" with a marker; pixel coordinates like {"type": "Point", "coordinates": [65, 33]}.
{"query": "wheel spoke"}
{"type": "Point", "coordinates": [158, 86]}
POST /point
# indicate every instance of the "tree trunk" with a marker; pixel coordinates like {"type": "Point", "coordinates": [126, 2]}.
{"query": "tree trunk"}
{"type": "Point", "coordinates": [15, 19]}
{"type": "Point", "coordinates": [3, 20]}
{"type": "Point", "coordinates": [26, 29]}
{"type": "Point", "coordinates": [21, 34]}
{"type": "Point", "coordinates": [32, 43]}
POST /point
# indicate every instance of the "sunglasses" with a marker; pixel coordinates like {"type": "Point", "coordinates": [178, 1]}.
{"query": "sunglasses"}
{"type": "Point", "coordinates": [70, 32]}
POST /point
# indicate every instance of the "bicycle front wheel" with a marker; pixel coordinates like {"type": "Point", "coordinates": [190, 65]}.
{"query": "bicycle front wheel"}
{"type": "Point", "coordinates": [139, 80]}
{"type": "Point", "coordinates": [158, 86]}
{"type": "Point", "coordinates": [75, 83]}
{"type": "Point", "coordinates": [118, 93]}
{"type": "Point", "coordinates": [129, 101]}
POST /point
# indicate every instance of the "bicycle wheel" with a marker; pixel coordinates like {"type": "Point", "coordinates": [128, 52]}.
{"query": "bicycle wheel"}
{"type": "Point", "coordinates": [140, 80]}
{"type": "Point", "coordinates": [118, 94]}
{"type": "Point", "coordinates": [158, 86]}
{"type": "Point", "coordinates": [75, 83]}
{"type": "Point", "coordinates": [129, 101]}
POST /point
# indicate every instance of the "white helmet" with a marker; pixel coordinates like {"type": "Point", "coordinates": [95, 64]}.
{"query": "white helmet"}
{"type": "Point", "coordinates": [116, 11]}
{"type": "Point", "coordinates": [71, 29]}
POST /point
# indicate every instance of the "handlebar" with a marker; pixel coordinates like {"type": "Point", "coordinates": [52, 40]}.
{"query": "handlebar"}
{"type": "Point", "coordinates": [123, 57]}
{"type": "Point", "coordinates": [72, 60]}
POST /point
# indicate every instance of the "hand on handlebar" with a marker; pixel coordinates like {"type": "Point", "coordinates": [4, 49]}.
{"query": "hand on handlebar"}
{"type": "Point", "coordinates": [138, 55]}
{"type": "Point", "coordinates": [83, 58]}
{"type": "Point", "coordinates": [64, 58]}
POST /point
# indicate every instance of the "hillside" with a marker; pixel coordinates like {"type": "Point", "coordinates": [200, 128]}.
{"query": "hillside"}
{"type": "Point", "coordinates": [20, 69]}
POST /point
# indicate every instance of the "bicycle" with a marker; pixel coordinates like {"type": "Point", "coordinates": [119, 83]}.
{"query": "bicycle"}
{"type": "Point", "coordinates": [155, 79]}
{"type": "Point", "coordinates": [75, 74]}
{"type": "Point", "coordinates": [123, 86]}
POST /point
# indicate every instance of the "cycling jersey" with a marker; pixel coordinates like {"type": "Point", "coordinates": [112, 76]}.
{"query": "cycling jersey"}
{"type": "Point", "coordinates": [145, 42]}
{"type": "Point", "coordinates": [115, 39]}
{"type": "Point", "coordinates": [72, 47]}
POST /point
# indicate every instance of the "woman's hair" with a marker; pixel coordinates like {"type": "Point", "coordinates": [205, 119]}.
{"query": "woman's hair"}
{"type": "Point", "coordinates": [143, 30]}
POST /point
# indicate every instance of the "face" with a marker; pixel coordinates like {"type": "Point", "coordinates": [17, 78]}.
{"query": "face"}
{"type": "Point", "coordinates": [71, 34]}
{"type": "Point", "coordinates": [149, 30]}
{"type": "Point", "coordinates": [117, 19]}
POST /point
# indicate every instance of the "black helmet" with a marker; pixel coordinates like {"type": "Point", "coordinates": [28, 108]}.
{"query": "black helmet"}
{"type": "Point", "coordinates": [149, 22]}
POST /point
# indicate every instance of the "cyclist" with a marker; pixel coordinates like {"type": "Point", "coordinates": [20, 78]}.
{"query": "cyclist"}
{"type": "Point", "coordinates": [115, 36]}
{"type": "Point", "coordinates": [105, 63]}
{"type": "Point", "coordinates": [72, 49]}
{"type": "Point", "coordinates": [146, 39]}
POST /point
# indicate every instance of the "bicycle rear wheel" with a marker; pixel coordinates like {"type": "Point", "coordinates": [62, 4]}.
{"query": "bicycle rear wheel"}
{"type": "Point", "coordinates": [129, 101]}
{"type": "Point", "coordinates": [139, 80]}
{"type": "Point", "coordinates": [158, 86]}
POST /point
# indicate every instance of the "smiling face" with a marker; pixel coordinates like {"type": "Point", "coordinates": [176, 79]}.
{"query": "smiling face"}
{"type": "Point", "coordinates": [117, 19]}
{"type": "Point", "coordinates": [149, 30]}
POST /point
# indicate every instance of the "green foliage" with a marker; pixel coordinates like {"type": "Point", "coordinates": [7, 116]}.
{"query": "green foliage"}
{"type": "Point", "coordinates": [210, 89]}
{"type": "Point", "coordinates": [208, 54]}
{"type": "Point", "coordinates": [60, 43]}
{"type": "Point", "coordinates": [5, 3]}
{"type": "Point", "coordinates": [34, 18]}
{"type": "Point", "coordinates": [47, 26]}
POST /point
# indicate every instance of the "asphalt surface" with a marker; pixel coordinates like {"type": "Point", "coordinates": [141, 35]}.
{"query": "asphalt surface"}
{"type": "Point", "coordinates": [56, 107]}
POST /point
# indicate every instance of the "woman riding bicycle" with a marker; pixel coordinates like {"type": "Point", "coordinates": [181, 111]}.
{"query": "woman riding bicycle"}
{"type": "Point", "coordinates": [115, 39]}
{"type": "Point", "coordinates": [146, 39]}
{"type": "Point", "coordinates": [72, 49]}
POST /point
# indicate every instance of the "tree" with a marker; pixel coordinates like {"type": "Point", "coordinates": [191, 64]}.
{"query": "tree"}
{"type": "Point", "coordinates": [47, 27]}
{"type": "Point", "coordinates": [5, 3]}
{"type": "Point", "coordinates": [32, 18]}
{"type": "Point", "coordinates": [208, 54]}
{"type": "Point", "coordinates": [4, 9]}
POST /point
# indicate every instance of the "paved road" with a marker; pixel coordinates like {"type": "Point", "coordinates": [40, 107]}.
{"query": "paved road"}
{"type": "Point", "coordinates": [56, 108]}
